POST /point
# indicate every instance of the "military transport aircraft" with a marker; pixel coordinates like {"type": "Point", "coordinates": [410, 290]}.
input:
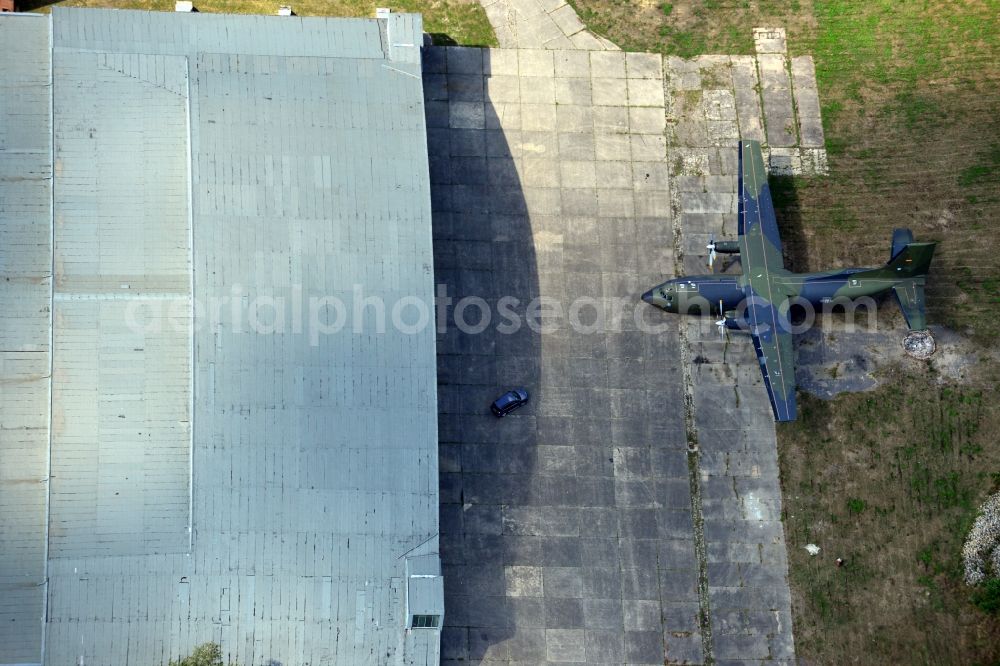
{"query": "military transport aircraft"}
{"type": "Point", "coordinates": [759, 300]}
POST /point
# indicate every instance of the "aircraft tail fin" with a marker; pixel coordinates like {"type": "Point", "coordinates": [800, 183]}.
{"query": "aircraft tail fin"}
{"type": "Point", "coordinates": [912, 260]}
{"type": "Point", "coordinates": [900, 239]}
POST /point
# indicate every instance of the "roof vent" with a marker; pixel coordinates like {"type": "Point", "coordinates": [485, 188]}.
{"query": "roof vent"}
{"type": "Point", "coordinates": [424, 592]}
{"type": "Point", "coordinates": [382, 12]}
{"type": "Point", "coordinates": [183, 6]}
{"type": "Point", "coordinates": [285, 10]}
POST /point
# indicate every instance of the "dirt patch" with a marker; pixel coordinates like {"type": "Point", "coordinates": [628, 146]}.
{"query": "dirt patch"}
{"type": "Point", "coordinates": [692, 28]}
{"type": "Point", "coordinates": [835, 357]}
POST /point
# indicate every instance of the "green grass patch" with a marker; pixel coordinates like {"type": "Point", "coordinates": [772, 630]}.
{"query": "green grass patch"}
{"type": "Point", "coordinates": [206, 654]}
{"type": "Point", "coordinates": [987, 597]}
{"type": "Point", "coordinates": [685, 43]}
{"type": "Point", "coordinates": [922, 454]}
{"type": "Point", "coordinates": [986, 170]}
{"type": "Point", "coordinates": [448, 21]}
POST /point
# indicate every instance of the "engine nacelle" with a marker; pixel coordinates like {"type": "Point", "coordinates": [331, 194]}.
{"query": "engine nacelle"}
{"type": "Point", "coordinates": [726, 247]}
{"type": "Point", "coordinates": [733, 320]}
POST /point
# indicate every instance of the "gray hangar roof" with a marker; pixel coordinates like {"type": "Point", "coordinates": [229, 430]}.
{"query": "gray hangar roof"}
{"type": "Point", "coordinates": [210, 432]}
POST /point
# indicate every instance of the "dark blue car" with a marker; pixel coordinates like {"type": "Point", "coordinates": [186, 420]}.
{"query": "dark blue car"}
{"type": "Point", "coordinates": [509, 401]}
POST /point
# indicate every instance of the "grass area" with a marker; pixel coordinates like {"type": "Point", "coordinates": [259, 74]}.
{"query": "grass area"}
{"type": "Point", "coordinates": [910, 105]}
{"type": "Point", "coordinates": [448, 21]}
{"type": "Point", "coordinates": [684, 29]}
{"type": "Point", "coordinates": [911, 110]}
{"type": "Point", "coordinates": [888, 480]}
{"type": "Point", "coordinates": [893, 497]}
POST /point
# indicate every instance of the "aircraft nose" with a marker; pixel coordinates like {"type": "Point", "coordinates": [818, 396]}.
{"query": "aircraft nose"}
{"type": "Point", "coordinates": [648, 296]}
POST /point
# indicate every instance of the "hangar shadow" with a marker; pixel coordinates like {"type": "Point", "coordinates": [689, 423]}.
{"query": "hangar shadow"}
{"type": "Point", "coordinates": [483, 250]}
{"type": "Point", "coordinates": [28, 6]}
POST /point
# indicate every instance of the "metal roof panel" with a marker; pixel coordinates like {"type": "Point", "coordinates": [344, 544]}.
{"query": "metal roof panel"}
{"type": "Point", "coordinates": [25, 266]}
{"type": "Point", "coordinates": [314, 461]}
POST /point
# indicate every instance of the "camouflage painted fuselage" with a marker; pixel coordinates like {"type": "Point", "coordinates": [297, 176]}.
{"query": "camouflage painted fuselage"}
{"type": "Point", "coordinates": [702, 294]}
{"type": "Point", "coordinates": [765, 291]}
{"type": "Point", "coordinates": [760, 300]}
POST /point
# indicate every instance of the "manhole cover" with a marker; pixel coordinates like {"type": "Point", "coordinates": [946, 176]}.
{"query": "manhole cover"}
{"type": "Point", "coordinates": [919, 344]}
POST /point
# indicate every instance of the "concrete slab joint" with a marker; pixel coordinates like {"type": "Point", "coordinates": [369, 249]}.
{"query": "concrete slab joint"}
{"type": "Point", "coordinates": [557, 539]}
{"type": "Point", "coordinates": [715, 100]}
{"type": "Point", "coordinates": [621, 536]}
{"type": "Point", "coordinates": [791, 106]}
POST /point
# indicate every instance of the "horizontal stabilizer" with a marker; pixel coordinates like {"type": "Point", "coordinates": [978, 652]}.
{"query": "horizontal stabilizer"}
{"type": "Point", "coordinates": [910, 296]}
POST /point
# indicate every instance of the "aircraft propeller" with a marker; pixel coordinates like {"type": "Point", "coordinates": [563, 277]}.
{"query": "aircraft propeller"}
{"type": "Point", "coordinates": [711, 250]}
{"type": "Point", "coordinates": [722, 322]}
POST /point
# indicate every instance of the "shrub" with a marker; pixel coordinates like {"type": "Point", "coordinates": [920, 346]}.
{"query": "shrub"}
{"type": "Point", "coordinates": [856, 506]}
{"type": "Point", "coordinates": [206, 654]}
{"type": "Point", "coordinates": [987, 596]}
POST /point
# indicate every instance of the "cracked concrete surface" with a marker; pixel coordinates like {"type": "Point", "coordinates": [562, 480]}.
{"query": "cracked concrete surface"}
{"type": "Point", "coordinates": [714, 100]}
{"type": "Point", "coordinates": [541, 24]}
{"type": "Point", "coordinates": [566, 527]}
{"type": "Point", "coordinates": [605, 522]}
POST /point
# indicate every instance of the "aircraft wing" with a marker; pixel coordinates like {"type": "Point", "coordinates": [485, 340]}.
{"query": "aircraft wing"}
{"type": "Point", "coordinates": [772, 340]}
{"type": "Point", "coordinates": [760, 255]}
{"type": "Point", "coordinates": [760, 243]}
